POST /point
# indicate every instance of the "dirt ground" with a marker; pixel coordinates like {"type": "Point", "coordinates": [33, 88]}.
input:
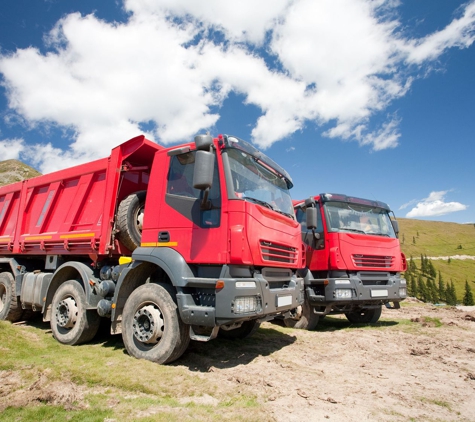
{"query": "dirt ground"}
{"type": "Point", "coordinates": [423, 371]}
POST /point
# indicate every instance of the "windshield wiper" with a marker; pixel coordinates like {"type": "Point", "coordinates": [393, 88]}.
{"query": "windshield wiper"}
{"type": "Point", "coordinates": [259, 201]}
{"type": "Point", "coordinates": [379, 234]}
{"type": "Point", "coordinates": [352, 230]}
{"type": "Point", "coordinates": [270, 206]}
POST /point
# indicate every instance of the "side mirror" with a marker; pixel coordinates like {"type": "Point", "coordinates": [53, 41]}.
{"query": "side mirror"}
{"type": "Point", "coordinates": [203, 173]}
{"type": "Point", "coordinates": [311, 215]}
{"type": "Point", "coordinates": [203, 142]}
{"type": "Point", "coordinates": [395, 226]}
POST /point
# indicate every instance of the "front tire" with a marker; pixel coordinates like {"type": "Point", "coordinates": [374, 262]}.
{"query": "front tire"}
{"type": "Point", "coordinates": [308, 319]}
{"type": "Point", "coordinates": [151, 325]}
{"type": "Point", "coordinates": [365, 316]}
{"type": "Point", "coordinates": [71, 322]}
{"type": "Point", "coordinates": [10, 308]}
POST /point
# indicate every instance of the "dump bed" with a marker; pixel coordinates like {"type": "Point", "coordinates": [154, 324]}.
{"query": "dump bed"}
{"type": "Point", "coordinates": [72, 211]}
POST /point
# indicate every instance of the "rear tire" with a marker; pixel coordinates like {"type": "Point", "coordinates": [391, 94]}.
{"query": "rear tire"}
{"type": "Point", "coordinates": [365, 316]}
{"type": "Point", "coordinates": [247, 329]}
{"type": "Point", "coordinates": [130, 219]}
{"type": "Point", "coordinates": [71, 322]}
{"type": "Point", "coordinates": [151, 325]}
{"type": "Point", "coordinates": [10, 308]}
{"type": "Point", "coordinates": [308, 320]}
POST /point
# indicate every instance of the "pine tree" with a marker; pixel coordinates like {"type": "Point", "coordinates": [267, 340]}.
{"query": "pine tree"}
{"type": "Point", "coordinates": [408, 277]}
{"type": "Point", "coordinates": [412, 265]}
{"type": "Point", "coordinates": [421, 288]}
{"type": "Point", "coordinates": [468, 296]}
{"type": "Point", "coordinates": [441, 288]}
{"type": "Point", "coordinates": [434, 291]}
{"type": "Point", "coordinates": [431, 269]}
{"type": "Point", "coordinates": [451, 294]}
{"type": "Point", "coordinates": [414, 286]}
{"type": "Point", "coordinates": [423, 265]}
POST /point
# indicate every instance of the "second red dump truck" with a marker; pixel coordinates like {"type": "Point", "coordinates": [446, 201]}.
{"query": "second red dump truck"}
{"type": "Point", "coordinates": [169, 244]}
{"type": "Point", "coordinates": [353, 257]}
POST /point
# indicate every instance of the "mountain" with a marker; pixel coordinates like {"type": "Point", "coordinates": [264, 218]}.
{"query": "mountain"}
{"type": "Point", "coordinates": [12, 171]}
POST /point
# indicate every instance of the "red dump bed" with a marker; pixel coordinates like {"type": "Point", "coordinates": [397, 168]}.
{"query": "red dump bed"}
{"type": "Point", "coordinates": [72, 211]}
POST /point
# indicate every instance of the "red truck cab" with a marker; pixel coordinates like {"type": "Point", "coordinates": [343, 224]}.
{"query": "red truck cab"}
{"type": "Point", "coordinates": [353, 257]}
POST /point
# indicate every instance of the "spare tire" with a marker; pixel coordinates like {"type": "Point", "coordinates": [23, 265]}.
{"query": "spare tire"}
{"type": "Point", "coordinates": [130, 219]}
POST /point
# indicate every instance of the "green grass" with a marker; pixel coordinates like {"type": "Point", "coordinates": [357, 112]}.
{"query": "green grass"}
{"type": "Point", "coordinates": [435, 238]}
{"type": "Point", "coordinates": [105, 383]}
{"type": "Point", "coordinates": [440, 239]}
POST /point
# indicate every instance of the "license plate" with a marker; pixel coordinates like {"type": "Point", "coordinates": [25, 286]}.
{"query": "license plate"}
{"type": "Point", "coordinates": [379, 293]}
{"type": "Point", "coordinates": [284, 301]}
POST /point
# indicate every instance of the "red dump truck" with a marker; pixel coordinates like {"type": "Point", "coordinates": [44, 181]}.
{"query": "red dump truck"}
{"type": "Point", "coordinates": [353, 257]}
{"type": "Point", "coordinates": [170, 244]}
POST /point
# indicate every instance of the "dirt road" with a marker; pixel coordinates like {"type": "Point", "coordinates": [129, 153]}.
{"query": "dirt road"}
{"type": "Point", "coordinates": [418, 365]}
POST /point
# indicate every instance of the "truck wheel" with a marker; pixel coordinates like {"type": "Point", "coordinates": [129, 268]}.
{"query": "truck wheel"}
{"type": "Point", "coordinates": [151, 325]}
{"type": "Point", "coordinates": [130, 220]}
{"type": "Point", "coordinates": [10, 308]}
{"type": "Point", "coordinates": [247, 329]}
{"type": "Point", "coordinates": [365, 316]}
{"type": "Point", "coordinates": [71, 322]}
{"type": "Point", "coordinates": [308, 319]}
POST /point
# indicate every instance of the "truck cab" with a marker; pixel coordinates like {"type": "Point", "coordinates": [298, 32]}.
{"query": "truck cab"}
{"type": "Point", "coordinates": [353, 256]}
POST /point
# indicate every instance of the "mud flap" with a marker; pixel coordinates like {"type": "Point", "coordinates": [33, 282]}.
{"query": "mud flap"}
{"type": "Point", "coordinates": [396, 305]}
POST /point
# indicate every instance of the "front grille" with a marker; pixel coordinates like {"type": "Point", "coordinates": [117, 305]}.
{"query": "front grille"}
{"type": "Point", "coordinates": [273, 252]}
{"type": "Point", "coordinates": [372, 261]}
{"type": "Point", "coordinates": [374, 278]}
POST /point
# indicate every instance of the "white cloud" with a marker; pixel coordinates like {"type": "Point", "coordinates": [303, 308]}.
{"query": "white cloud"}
{"type": "Point", "coordinates": [11, 149]}
{"type": "Point", "coordinates": [172, 64]}
{"type": "Point", "coordinates": [434, 205]}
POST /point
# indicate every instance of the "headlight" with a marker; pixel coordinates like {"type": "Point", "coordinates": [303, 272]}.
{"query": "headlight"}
{"type": "Point", "coordinates": [247, 304]}
{"type": "Point", "coordinates": [402, 291]}
{"type": "Point", "coordinates": [343, 293]}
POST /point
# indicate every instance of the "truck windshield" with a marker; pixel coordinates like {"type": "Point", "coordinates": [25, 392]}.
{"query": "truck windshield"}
{"type": "Point", "coordinates": [254, 181]}
{"type": "Point", "coordinates": [357, 218]}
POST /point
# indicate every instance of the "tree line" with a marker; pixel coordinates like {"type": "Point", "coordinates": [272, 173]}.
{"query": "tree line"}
{"type": "Point", "coordinates": [426, 284]}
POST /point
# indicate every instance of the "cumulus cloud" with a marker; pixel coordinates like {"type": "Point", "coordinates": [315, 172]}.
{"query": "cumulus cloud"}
{"type": "Point", "coordinates": [434, 205]}
{"type": "Point", "coordinates": [11, 149]}
{"type": "Point", "coordinates": [171, 65]}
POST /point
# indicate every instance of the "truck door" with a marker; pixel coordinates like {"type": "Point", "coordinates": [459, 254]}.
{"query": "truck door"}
{"type": "Point", "coordinates": [193, 229]}
{"type": "Point", "coordinates": [315, 248]}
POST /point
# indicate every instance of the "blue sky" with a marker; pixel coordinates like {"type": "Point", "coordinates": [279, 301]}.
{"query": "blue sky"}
{"type": "Point", "coordinates": [374, 99]}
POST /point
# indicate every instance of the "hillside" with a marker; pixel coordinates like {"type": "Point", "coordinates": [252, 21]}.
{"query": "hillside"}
{"type": "Point", "coordinates": [438, 241]}
{"type": "Point", "coordinates": [12, 171]}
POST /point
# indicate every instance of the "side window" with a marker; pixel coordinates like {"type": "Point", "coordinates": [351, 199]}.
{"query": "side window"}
{"type": "Point", "coordinates": [180, 176]}
{"type": "Point", "coordinates": [307, 235]}
{"type": "Point", "coordinates": [185, 199]}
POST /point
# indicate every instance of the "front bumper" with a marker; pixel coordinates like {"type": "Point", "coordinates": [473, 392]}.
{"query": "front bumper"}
{"type": "Point", "coordinates": [345, 294]}
{"type": "Point", "coordinates": [241, 299]}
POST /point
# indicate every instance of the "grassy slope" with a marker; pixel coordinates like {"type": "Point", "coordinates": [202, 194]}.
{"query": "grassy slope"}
{"type": "Point", "coordinates": [434, 239]}
{"type": "Point", "coordinates": [12, 171]}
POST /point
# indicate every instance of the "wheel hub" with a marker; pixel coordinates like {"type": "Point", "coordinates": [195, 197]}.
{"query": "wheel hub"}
{"type": "Point", "coordinates": [3, 297]}
{"type": "Point", "coordinates": [67, 313]}
{"type": "Point", "coordinates": [139, 219]}
{"type": "Point", "coordinates": [148, 324]}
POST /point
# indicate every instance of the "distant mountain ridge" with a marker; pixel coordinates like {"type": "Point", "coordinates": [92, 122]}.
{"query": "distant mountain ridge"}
{"type": "Point", "coordinates": [12, 171]}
